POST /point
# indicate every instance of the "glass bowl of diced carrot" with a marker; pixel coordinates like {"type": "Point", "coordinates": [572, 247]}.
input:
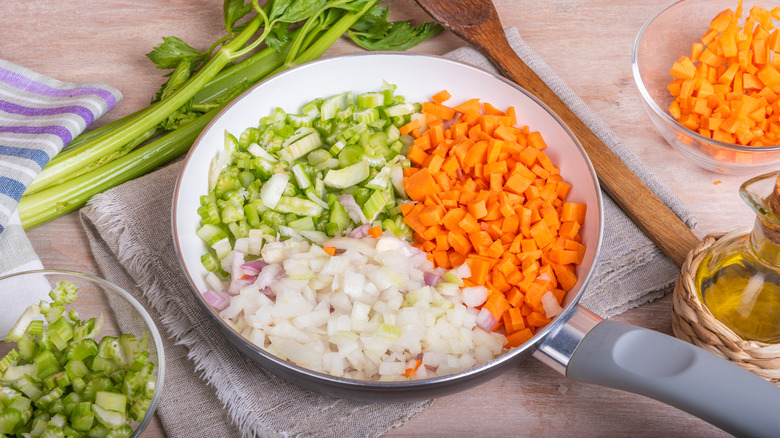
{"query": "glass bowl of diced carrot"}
{"type": "Point", "coordinates": [709, 76]}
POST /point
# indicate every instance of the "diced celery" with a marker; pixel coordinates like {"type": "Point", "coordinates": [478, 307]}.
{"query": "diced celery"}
{"type": "Point", "coordinates": [273, 188]}
{"type": "Point", "coordinates": [301, 178]}
{"type": "Point", "coordinates": [331, 106]}
{"type": "Point", "coordinates": [76, 368]}
{"type": "Point", "coordinates": [400, 110]}
{"type": "Point", "coordinates": [112, 401]}
{"type": "Point", "coordinates": [350, 155]}
{"type": "Point", "coordinates": [46, 364]}
{"type": "Point", "coordinates": [304, 141]}
{"type": "Point", "coordinates": [82, 418]}
{"type": "Point", "coordinates": [298, 206]}
{"type": "Point", "coordinates": [88, 329]}
{"type": "Point", "coordinates": [60, 332]}
{"type": "Point", "coordinates": [24, 406]}
{"type": "Point", "coordinates": [26, 385]}
{"type": "Point", "coordinates": [9, 419]}
{"type": "Point", "coordinates": [64, 292]}
{"type": "Point", "coordinates": [370, 100]}
{"type": "Point", "coordinates": [110, 419]}
{"type": "Point", "coordinates": [82, 349]}
{"type": "Point", "coordinates": [375, 204]}
{"type": "Point", "coordinates": [10, 359]}
{"type": "Point", "coordinates": [369, 115]}
{"type": "Point", "coordinates": [209, 262]}
{"type": "Point", "coordinates": [21, 324]}
{"type": "Point", "coordinates": [303, 224]}
{"type": "Point", "coordinates": [47, 399]}
{"type": "Point", "coordinates": [348, 176]}
{"type": "Point", "coordinates": [211, 233]}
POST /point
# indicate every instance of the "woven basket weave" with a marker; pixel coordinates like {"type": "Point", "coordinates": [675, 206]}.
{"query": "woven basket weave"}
{"type": "Point", "coordinates": [693, 322]}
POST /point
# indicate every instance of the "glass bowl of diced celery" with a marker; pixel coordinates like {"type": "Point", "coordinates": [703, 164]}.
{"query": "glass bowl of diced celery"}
{"type": "Point", "coordinates": [79, 356]}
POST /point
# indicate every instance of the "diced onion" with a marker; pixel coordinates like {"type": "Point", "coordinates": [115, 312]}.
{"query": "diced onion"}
{"type": "Point", "coordinates": [365, 313]}
{"type": "Point", "coordinates": [550, 304]}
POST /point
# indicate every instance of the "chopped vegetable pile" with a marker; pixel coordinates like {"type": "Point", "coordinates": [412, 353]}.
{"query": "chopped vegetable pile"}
{"type": "Point", "coordinates": [368, 308]}
{"type": "Point", "coordinates": [727, 89]}
{"type": "Point", "coordinates": [64, 380]}
{"type": "Point", "coordinates": [372, 238]}
{"type": "Point", "coordinates": [334, 166]}
{"type": "Point", "coordinates": [488, 196]}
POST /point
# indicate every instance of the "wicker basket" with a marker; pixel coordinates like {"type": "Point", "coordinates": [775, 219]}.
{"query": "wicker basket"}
{"type": "Point", "coordinates": [693, 322]}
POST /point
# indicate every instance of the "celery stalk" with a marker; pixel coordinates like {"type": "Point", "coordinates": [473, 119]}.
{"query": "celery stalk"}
{"type": "Point", "coordinates": [100, 159]}
{"type": "Point", "coordinates": [56, 201]}
{"type": "Point", "coordinates": [108, 142]}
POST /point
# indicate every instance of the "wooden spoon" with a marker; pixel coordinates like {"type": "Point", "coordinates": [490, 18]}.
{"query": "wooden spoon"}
{"type": "Point", "coordinates": [477, 22]}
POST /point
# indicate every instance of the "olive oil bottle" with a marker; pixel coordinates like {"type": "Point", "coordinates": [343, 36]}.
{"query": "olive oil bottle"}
{"type": "Point", "coordinates": [739, 279]}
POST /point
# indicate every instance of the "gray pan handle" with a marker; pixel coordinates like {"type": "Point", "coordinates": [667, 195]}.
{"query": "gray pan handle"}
{"type": "Point", "coordinates": [677, 373]}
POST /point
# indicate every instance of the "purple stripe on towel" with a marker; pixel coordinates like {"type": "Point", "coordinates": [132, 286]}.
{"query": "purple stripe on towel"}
{"type": "Point", "coordinates": [59, 131]}
{"type": "Point", "coordinates": [37, 155]}
{"type": "Point", "coordinates": [11, 187]}
{"type": "Point", "coordinates": [14, 108]}
{"type": "Point", "coordinates": [22, 82]}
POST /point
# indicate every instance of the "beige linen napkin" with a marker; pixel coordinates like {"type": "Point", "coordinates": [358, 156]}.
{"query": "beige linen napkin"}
{"type": "Point", "coordinates": [213, 390]}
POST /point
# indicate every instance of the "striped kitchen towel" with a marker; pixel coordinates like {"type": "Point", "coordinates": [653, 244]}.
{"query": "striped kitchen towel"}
{"type": "Point", "coordinates": [38, 117]}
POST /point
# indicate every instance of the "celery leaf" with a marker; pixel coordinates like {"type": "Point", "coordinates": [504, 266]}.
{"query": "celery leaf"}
{"type": "Point", "coordinates": [171, 51]}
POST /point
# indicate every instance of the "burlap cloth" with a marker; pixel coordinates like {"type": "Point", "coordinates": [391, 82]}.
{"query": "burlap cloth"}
{"type": "Point", "coordinates": [212, 390]}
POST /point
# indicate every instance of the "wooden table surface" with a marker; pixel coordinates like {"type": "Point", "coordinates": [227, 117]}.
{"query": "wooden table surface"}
{"type": "Point", "coordinates": [586, 42]}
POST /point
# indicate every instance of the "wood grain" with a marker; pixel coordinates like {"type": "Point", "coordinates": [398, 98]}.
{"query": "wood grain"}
{"type": "Point", "coordinates": [586, 42]}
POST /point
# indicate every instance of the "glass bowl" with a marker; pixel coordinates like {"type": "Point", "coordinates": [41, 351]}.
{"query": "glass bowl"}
{"type": "Point", "coordinates": [665, 37]}
{"type": "Point", "coordinates": [122, 314]}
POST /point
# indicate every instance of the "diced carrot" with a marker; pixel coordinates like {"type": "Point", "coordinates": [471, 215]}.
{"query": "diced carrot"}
{"type": "Point", "coordinates": [411, 126]}
{"type": "Point", "coordinates": [714, 90]}
{"type": "Point", "coordinates": [513, 320]}
{"type": "Point", "coordinates": [419, 184]}
{"type": "Point", "coordinates": [329, 249]}
{"type": "Point", "coordinates": [573, 212]}
{"type": "Point", "coordinates": [479, 270]}
{"type": "Point", "coordinates": [440, 111]}
{"type": "Point", "coordinates": [519, 337]}
{"type": "Point", "coordinates": [485, 194]}
{"type": "Point", "coordinates": [375, 231]}
{"type": "Point", "coordinates": [409, 372]}
{"type": "Point", "coordinates": [537, 319]}
{"type": "Point", "coordinates": [441, 96]}
{"type": "Point", "coordinates": [496, 304]}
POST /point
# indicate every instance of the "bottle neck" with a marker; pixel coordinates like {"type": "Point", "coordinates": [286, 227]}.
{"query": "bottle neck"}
{"type": "Point", "coordinates": [765, 242]}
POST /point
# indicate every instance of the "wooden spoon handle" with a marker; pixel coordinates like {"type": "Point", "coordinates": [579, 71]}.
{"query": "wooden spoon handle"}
{"type": "Point", "coordinates": [650, 214]}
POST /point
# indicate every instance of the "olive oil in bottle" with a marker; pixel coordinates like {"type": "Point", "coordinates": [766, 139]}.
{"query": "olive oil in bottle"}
{"type": "Point", "coordinates": [739, 279]}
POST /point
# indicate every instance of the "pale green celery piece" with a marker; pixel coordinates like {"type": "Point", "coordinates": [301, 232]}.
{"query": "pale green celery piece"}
{"type": "Point", "coordinates": [347, 176]}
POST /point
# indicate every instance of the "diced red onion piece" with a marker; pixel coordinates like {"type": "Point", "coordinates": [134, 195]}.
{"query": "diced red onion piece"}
{"type": "Point", "coordinates": [359, 232]}
{"type": "Point", "coordinates": [237, 284]}
{"type": "Point", "coordinates": [431, 279]}
{"type": "Point", "coordinates": [216, 299]}
{"type": "Point", "coordinates": [269, 275]}
{"type": "Point", "coordinates": [254, 267]}
{"type": "Point", "coordinates": [485, 320]}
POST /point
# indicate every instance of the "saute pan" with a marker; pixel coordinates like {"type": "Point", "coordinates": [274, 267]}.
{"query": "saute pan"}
{"type": "Point", "coordinates": [577, 343]}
